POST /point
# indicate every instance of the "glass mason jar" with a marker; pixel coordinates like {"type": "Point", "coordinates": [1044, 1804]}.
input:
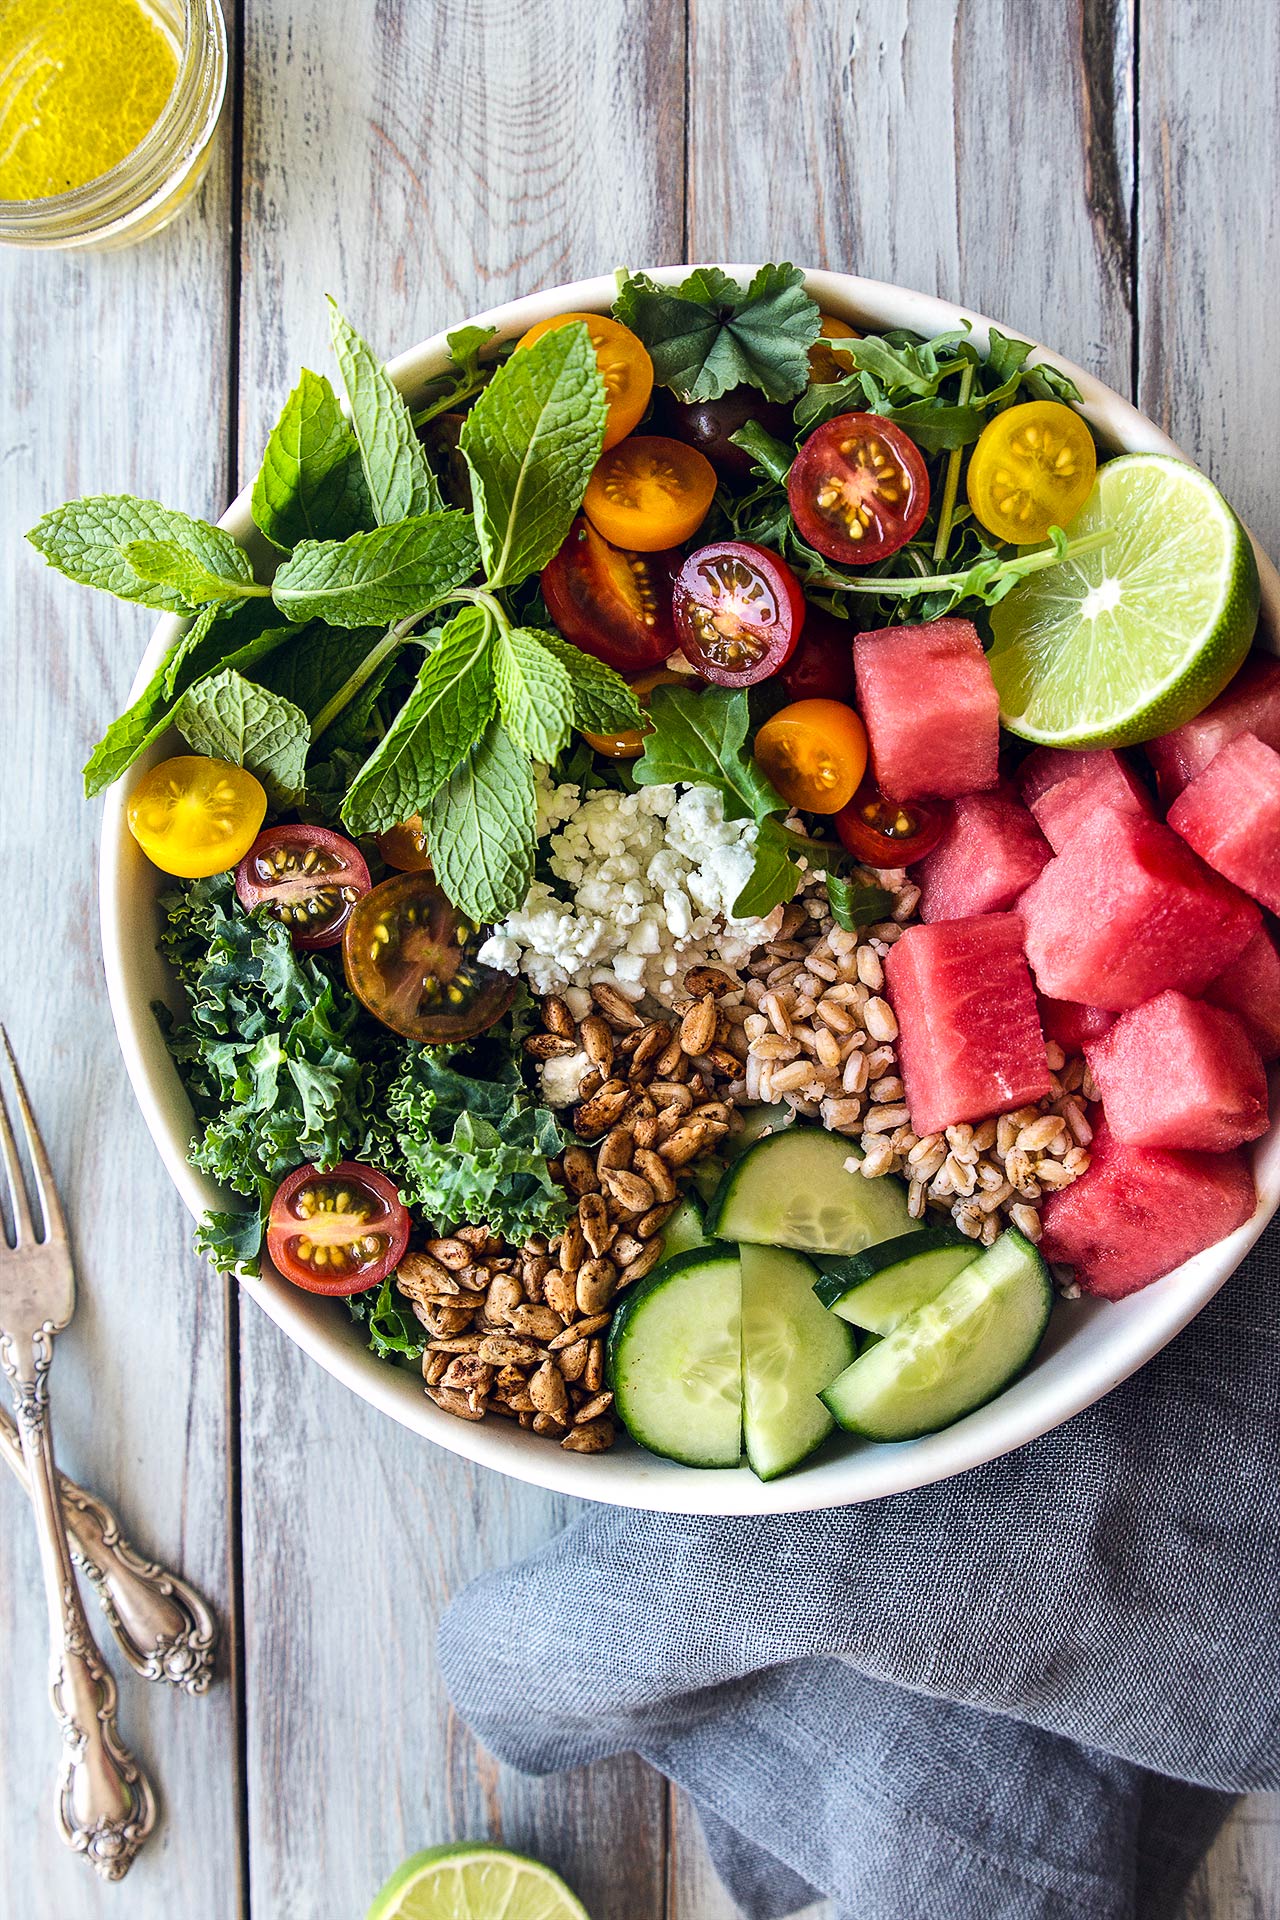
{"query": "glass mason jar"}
{"type": "Point", "coordinates": [144, 191]}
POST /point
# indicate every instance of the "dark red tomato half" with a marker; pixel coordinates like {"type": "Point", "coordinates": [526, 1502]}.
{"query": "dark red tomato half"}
{"type": "Point", "coordinates": [707, 425]}
{"type": "Point", "coordinates": [888, 833]}
{"type": "Point", "coordinates": [858, 489]}
{"type": "Point", "coordinates": [613, 604]}
{"type": "Point", "coordinates": [337, 1232]}
{"type": "Point", "coordinates": [738, 611]}
{"type": "Point", "coordinates": [308, 877]}
{"type": "Point", "coordinates": [821, 668]}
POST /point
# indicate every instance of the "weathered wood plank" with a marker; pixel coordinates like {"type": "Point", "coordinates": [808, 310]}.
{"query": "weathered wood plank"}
{"type": "Point", "coordinates": [116, 378]}
{"type": "Point", "coordinates": [418, 163]}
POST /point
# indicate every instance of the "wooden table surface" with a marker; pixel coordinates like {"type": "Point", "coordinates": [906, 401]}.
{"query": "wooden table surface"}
{"type": "Point", "coordinates": [1103, 175]}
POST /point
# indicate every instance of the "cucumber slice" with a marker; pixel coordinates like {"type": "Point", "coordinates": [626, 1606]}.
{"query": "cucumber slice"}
{"type": "Point", "coordinates": [954, 1354]}
{"type": "Point", "coordinates": [758, 1123]}
{"type": "Point", "coordinates": [791, 1349]}
{"type": "Point", "coordinates": [879, 1288]}
{"type": "Point", "coordinates": [675, 1358]}
{"type": "Point", "coordinates": [685, 1228]}
{"type": "Point", "coordinates": [707, 1175]}
{"type": "Point", "coordinates": [793, 1189]}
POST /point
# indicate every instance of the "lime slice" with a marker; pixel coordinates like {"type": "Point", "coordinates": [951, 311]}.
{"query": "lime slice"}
{"type": "Point", "coordinates": [1127, 642]}
{"type": "Point", "coordinates": [475, 1882]}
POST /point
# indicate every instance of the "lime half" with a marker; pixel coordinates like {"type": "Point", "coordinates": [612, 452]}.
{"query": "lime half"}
{"type": "Point", "coordinates": [475, 1882]}
{"type": "Point", "coordinates": [1127, 642]}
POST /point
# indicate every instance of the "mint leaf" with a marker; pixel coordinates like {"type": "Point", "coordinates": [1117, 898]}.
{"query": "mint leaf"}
{"type": "Point", "coordinates": [400, 482]}
{"type": "Point", "coordinates": [535, 693]}
{"type": "Point", "coordinates": [698, 739]}
{"type": "Point", "coordinates": [165, 563]}
{"type": "Point", "coordinates": [709, 334]}
{"type": "Point", "coordinates": [530, 442]}
{"type": "Point", "coordinates": [602, 700]}
{"type": "Point", "coordinates": [480, 828]}
{"type": "Point", "coordinates": [229, 718]}
{"type": "Point", "coordinates": [85, 540]}
{"type": "Point", "coordinates": [392, 573]}
{"type": "Point", "coordinates": [445, 714]}
{"type": "Point", "coordinates": [774, 877]}
{"type": "Point", "coordinates": [311, 485]}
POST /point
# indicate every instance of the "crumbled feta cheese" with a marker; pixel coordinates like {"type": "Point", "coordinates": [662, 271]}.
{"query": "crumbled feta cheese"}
{"type": "Point", "coordinates": [561, 1076]}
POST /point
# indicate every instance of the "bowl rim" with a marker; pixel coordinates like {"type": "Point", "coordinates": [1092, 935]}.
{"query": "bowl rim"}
{"type": "Point", "coordinates": [1136, 1328]}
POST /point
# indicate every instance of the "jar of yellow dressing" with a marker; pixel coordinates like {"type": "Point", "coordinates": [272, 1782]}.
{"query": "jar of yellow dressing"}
{"type": "Point", "coordinates": [108, 110]}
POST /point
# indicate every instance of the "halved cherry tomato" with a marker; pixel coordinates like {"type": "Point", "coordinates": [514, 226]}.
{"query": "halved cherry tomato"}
{"type": "Point", "coordinates": [624, 364]}
{"type": "Point", "coordinates": [404, 847]}
{"type": "Point", "coordinates": [707, 424]}
{"type": "Point", "coordinates": [337, 1232]}
{"type": "Point", "coordinates": [827, 363]}
{"type": "Point", "coordinates": [738, 611]}
{"type": "Point", "coordinates": [611, 603]}
{"type": "Point", "coordinates": [410, 957]}
{"type": "Point", "coordinates": [625, 746]}
{"type": "Point", "coordinates": [821, 668]}
{"type": "Point", "coordinates": [815, 754]}
{"type": "Point", "coordinates": [193, 816]}
{"type": "Point", "coordinates": [1033, 468]}
{"type": "Point", "coordinates": [858, 489]}
{"type": "Point", "coordinates": [887, 833]}
{"type": "Point", "coordinates": [308, 877]}
{"type": "Point", "coordinates": [649, 493]}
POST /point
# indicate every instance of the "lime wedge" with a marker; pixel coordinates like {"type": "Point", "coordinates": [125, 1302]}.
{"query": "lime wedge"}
{"type": "Point", "coordinates": [1127, 642]}
{"type": "Point", "coordinates": [475, 1882]}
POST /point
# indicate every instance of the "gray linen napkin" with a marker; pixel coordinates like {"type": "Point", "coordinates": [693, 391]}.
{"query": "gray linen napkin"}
{"type": "Point", "coordinates": [1027, 1693]}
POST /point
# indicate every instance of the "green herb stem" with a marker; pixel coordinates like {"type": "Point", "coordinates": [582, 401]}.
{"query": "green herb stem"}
{"type": "Point", "coordinates": [359, 676]}
{"type": "Point", "coordinates": [952, 484]}
{"type": "Point", "coordinates": [774, 456]}
{"type": "Point", "coordinates": [1009, 569]}
{"type": "Point", "coordinates": [457, 396]}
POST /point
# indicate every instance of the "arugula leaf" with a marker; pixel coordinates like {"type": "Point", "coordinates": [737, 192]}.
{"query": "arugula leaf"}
{"type": "Point", "coordinates": [855, 903]}
{"type": "Point", "coordinates": [603, 701]}
{"type": "Point", "coordinates": [535, 693]}
{"type": "Point", "coordinates": [85, 540]}
{"type": "Point", "coordinates": [400, 481]}
{"type": "Point", "coordinates": [698, 739]}
{"type": "Point", "coordinates": [395, 1332]}
{"type": "Point", "coordinates": [480, 828]}
{"type": "Point", "coordinates": [393, 573]}
{"type": "Point", "coordinates": [775, 875]}
{"type": "Point", "coordinates": [165, 563]}
{"type": "Point", "coordinates": [229, 718]}
{"type": "Point", "coordinates": [530, 443]}
{"type": "Point", "coordinates": [447, 711]}
{"type": "Point", "coordinates": [708, 335]}
{"type": "Point", "coordinates": [465, 377]}
{"type": "Point", "coordinates": [311, 485]}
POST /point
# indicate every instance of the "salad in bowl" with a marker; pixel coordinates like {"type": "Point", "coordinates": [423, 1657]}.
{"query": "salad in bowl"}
{"type": "Point", "coordinates": [706, 887]}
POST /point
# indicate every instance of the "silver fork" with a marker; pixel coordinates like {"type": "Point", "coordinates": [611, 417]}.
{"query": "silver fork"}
{"type": "Point", "coordinates": [105, 1805]}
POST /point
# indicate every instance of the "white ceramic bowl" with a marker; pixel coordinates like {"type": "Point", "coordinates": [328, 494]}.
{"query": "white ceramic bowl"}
{"type": "Point", "coordinates": [1091, 1346]}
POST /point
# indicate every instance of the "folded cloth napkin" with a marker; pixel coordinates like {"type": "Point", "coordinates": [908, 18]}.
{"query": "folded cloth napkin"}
{"type": "Point", "coordinates": [1027, 1693]}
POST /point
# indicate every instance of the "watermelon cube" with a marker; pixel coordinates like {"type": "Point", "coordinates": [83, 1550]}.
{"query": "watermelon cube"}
{"type": "Point", "coordinates": [969, 1040]}
{"type": "Point", "coordinates": [1126, 910]}
{"type": "Point", "coordinates": [931, 708]}
{"type": "Point", "coordinates": [1230, 814]}
{"type": "Point", "coordinates": [1063, 787]}
{"type": "Point", "coordinates": [1138, 1212]}
{"type": "Point", "coordinates": [1072, 1025]}
{"type": "Point", "coordinates": [1250, 988]}
{"type": "Point", "coordinates": [990, 852]}
{"type": "Point", "coordinates": [1180, 1073]}
{"type": "Point", "coordinates": [1251, 704]}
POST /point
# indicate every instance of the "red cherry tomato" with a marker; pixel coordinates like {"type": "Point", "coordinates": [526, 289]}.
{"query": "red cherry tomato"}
{"type": "Point", "coordinates": [821, 668]}
{"type": "Point", "coordinates": [611, 603]}
{"type": "Point", "coordinates": [887, 833]}
{"type": "Point", "coordinates": [738, 612]}
{"type": "Point", "coordinates": [858, 489]}
{"type": "Point", "coordinates": [308, 877]}
{"type": "Point", "coordinates": [337, 1232]}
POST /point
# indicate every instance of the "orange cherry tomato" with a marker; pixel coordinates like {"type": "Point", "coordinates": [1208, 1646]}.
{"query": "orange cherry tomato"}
{"type": "Point", "coordinates": [815, 753]}
{"type": "Point", "coordinates": [827, 363]}
{"type": "Point", "coordinates": [649, 493]}
{"type": "Point", "coordinates": [625, 746]}
{"type": "Point", "coordinates": [624, 364]}
{"type": "Point", "coordinates": [404, 847]}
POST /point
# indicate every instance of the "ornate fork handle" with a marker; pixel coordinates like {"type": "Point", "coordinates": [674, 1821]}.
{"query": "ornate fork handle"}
{"type": "Point", "coordinates": [105, 1804]}
{"type": "Point", "coordinates": [164, 1628]}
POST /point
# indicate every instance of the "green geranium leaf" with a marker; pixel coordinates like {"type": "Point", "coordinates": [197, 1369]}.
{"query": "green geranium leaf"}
{"type": "Point", "coordinates": [709, 334]}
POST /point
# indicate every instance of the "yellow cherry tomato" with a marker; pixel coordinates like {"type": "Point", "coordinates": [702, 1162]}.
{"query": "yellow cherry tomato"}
{"type": "Point", "coordinates": [404, 847]}
{"type": "Point", "coordinates": [649, 493]}
{"type": "Point", "coordinates": [625, 746]}
{"type": "Point", "coordinates": [1033, 468]}
{"type": "Point", "coordinates": [624, 364]}
{"type": "Point", "coordinates": [193, 816]}
{"type": "Point", "coordinates": [815, 754]}
{"type": "Point", "coordinates": [827, 363]}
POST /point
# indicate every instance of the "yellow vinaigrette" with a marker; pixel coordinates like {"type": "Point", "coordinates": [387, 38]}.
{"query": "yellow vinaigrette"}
{"type": "Point", "coordinates": [82, 82]}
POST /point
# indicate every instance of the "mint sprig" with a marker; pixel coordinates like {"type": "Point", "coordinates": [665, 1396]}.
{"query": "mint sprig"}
{"type": "Point", "coordinates": [229, 718]}
{"type": "Point", "coordinates": [399, 572]}
{"type": "Point", "coordinates": [396, 470]}
{"type": "Point", "coordinates": [480, 827]}
{"type": "Point", "coordinates": [311, 485]}
{"type": "Point", "coordinates": [88, 541]}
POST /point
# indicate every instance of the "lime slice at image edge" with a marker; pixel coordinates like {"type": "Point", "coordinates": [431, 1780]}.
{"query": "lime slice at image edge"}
{"type": "Point", "coordinates": [473, 1881]}
{"type": "Point", "coordinates": [1131, 640]}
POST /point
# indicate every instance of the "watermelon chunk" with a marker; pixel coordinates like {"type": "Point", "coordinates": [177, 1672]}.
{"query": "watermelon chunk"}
{"type": "Point", "coordinates": [1250, 988]}
{"type": "Point", "coordinates": [969, 1040]}
{"type": "Point", "coordinates": [1230, 814]}
{"type": "Point", "coordinates": [1251, 704]}
{"type": "Point", "coordinates": [1180, 1073]}
{"type": "Point", "coordinates": [1138, 1212]}
{"type": "Point", "coordinates": [931, 708]}
{"type": "Point", "coordinates": [1062, 787]}
{"type": "Point", "coordinates": [1073, 1025]}
{"type": "Point", "coordinates": [1126, 910]}
{"type": "Point", "coordinates": [990, 852]}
